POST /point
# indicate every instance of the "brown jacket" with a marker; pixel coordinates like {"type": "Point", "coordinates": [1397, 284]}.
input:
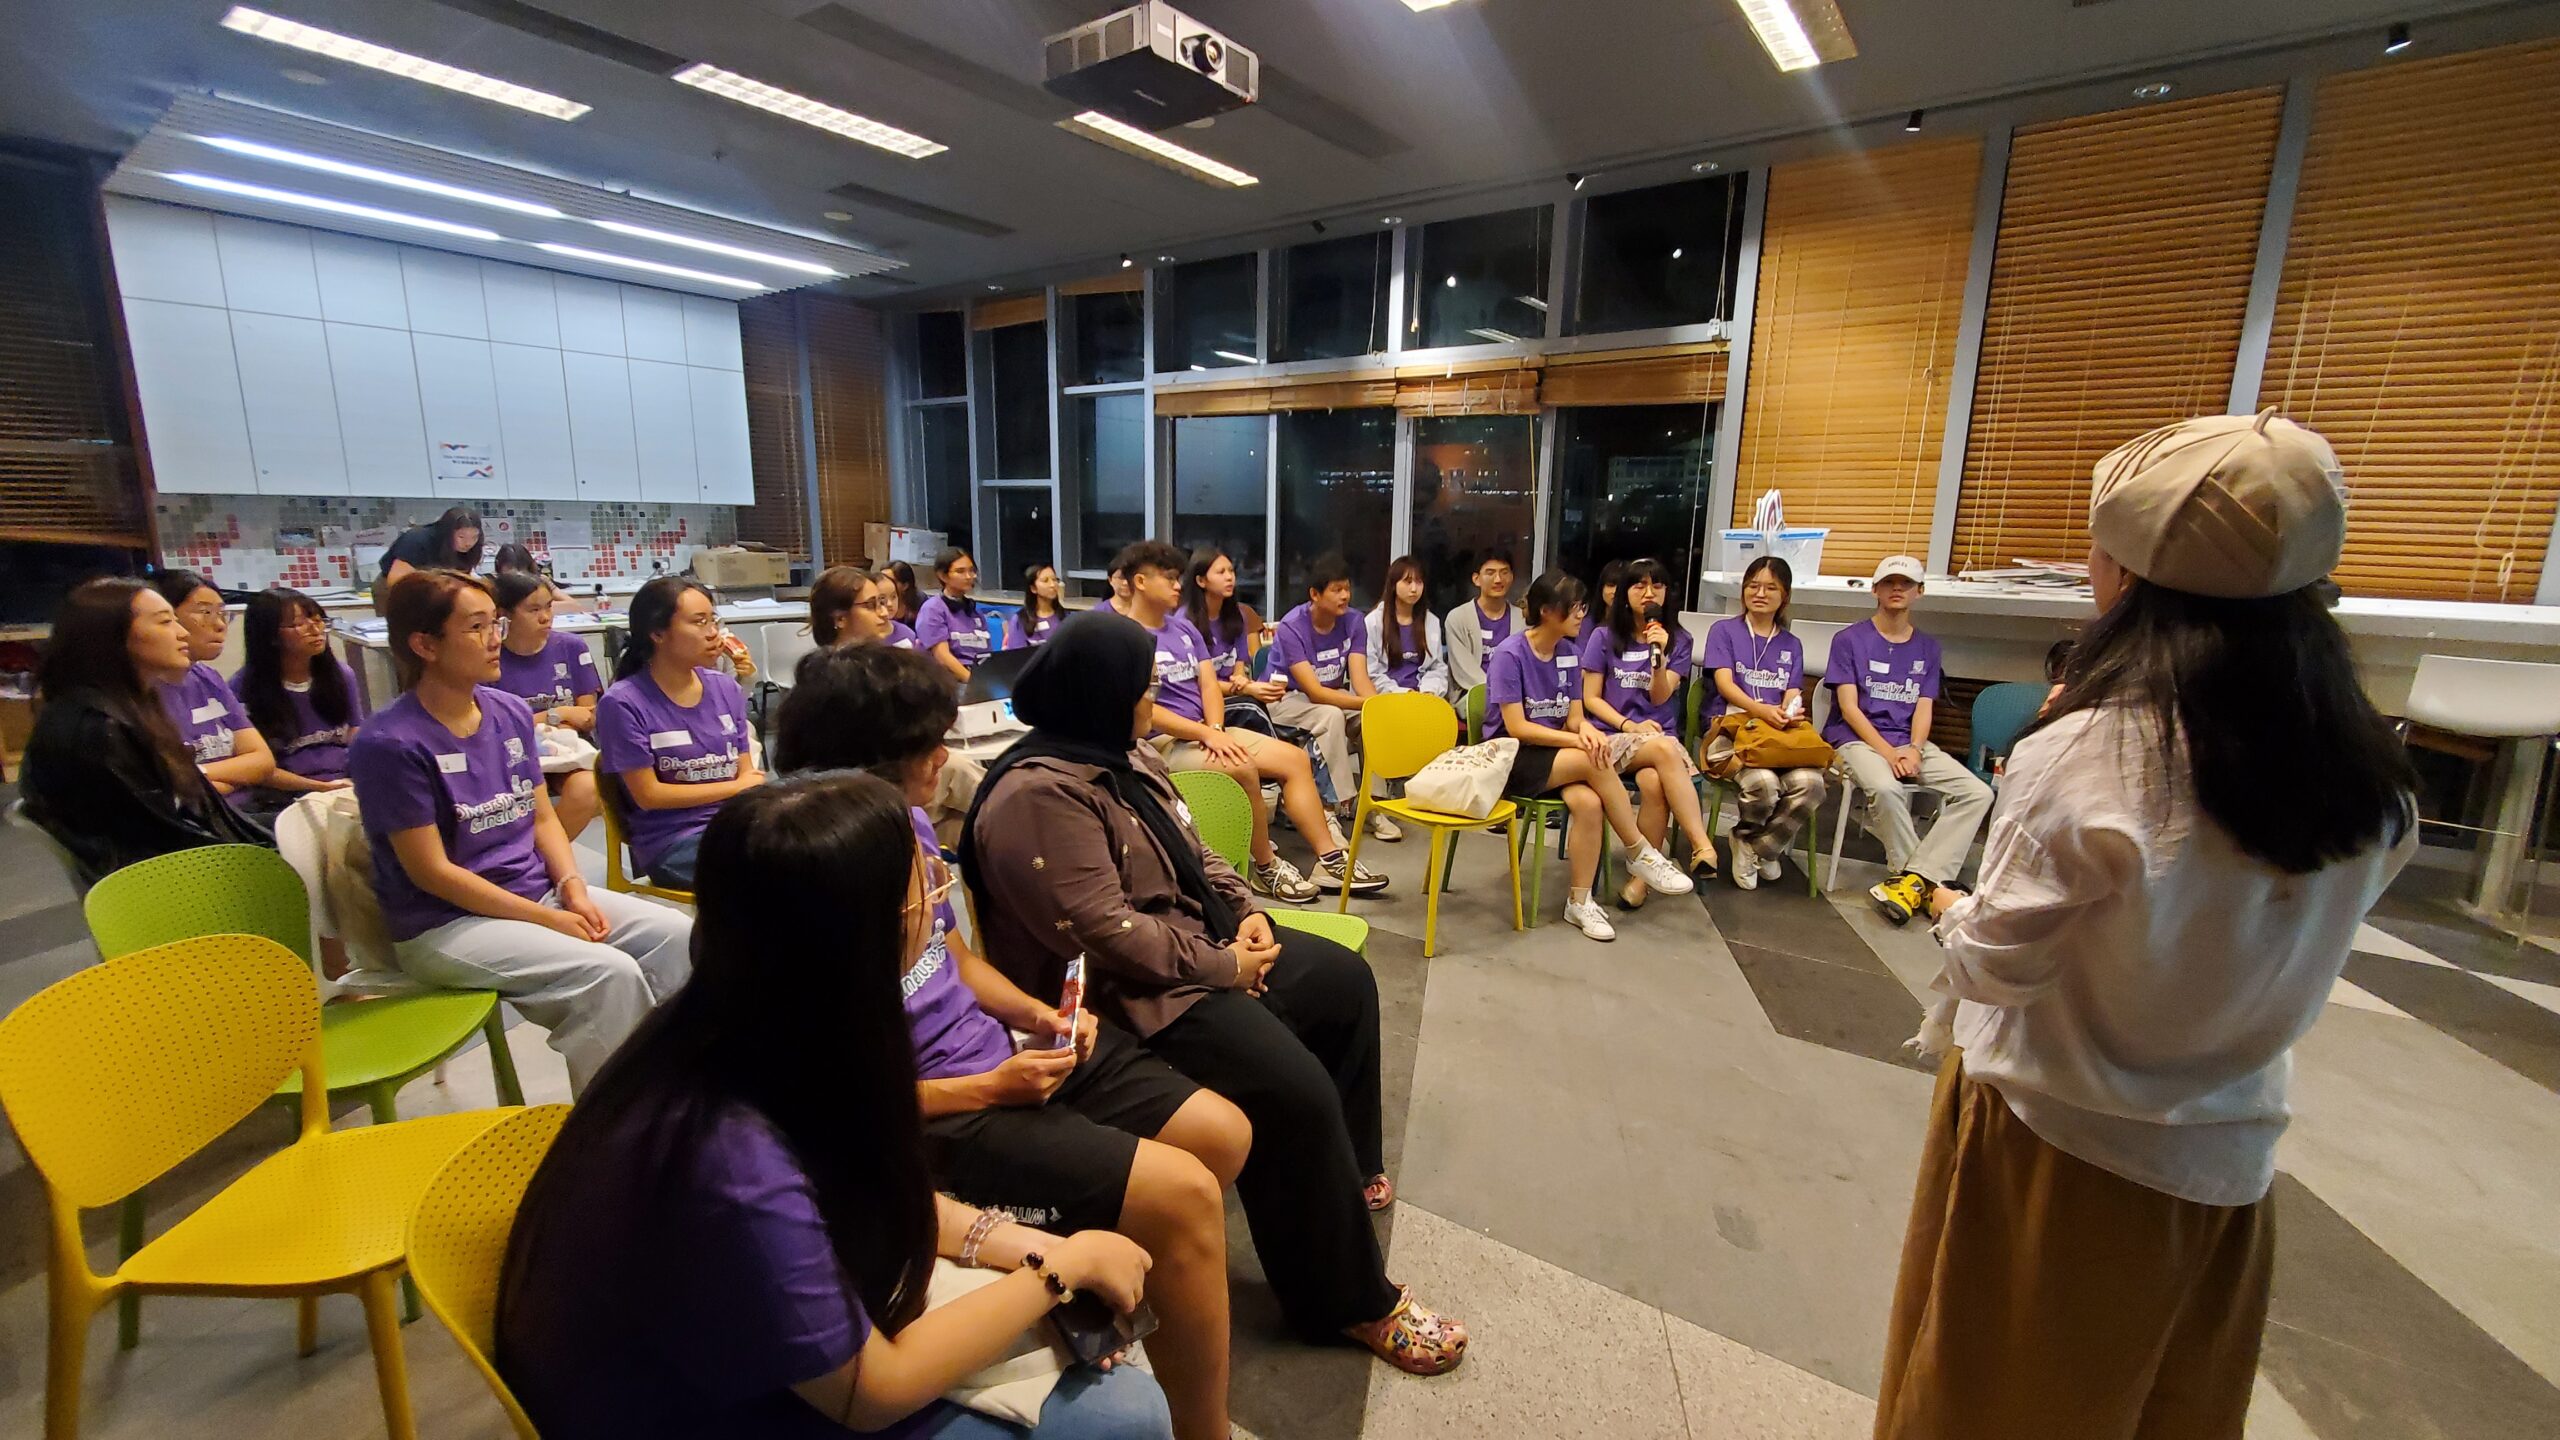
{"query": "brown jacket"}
{"type": "Point", "coordinates": [1066, 869]}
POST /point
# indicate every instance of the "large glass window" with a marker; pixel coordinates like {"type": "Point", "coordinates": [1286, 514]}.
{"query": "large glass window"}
{"type": "Point", "coordinates": [1631, 482]}
{"type": "Point", "coordinates": [942, 447]}
{"type": "Point", "coordinates": [1022, 535]}
{"type": "Point", "coordinates": [1221, 492]}
{"type": "Point", "coordinates": [1337, 492]}
{"type": "Point", "coordinates": [942, 355]}
{"type": "Point", "coordinates": [1331, 298]}
{"type": "Point", "coordinates": [1205, 314]}
{"type": "Point", "coordinates": [1110, 467]}
{"type": "Point", "coordinates": [1110, 338]}
{"type": "Point", "coordinates": [1664, 256]}
{"type": "Point", "coordinates": [1018, 399]}
{"type": "Point", "coordinates": [1479, 280]}
{"type": "Point", "coordinates": [1475, 489]}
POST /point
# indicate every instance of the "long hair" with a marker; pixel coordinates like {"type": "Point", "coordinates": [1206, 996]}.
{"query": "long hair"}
{"type": "Point", "coordinates": [903, 577]}
{"type": "Point", "coordinates": [512, 588]}
{"type": "Point", "coordinates": [831, 601]}
{"type": "Point", "coordinates": [460, 517]}
{"type": "Point", "coordinates": [89, 655]}
{"type": "Point", "coordinates": [794, 1013]}
{"type": "Point", "coordinates": [1398, 652]}
{"type": "Point", "coordinates": [176, 585]}
{"type": "Point", "coordinates": [2285, 752]}
{"type": "Point", "coordinates": [1227, 630]}
{"type": "Point", "coordinates": [652, 611]}
{"type": "Point", "coordinates": [515, 559]}
{"type": "Point", "coordinates": [1555, 590]}
{"type": "Point", "coordinates": [1612, 578]}
{"type": "Point", "coordinates": [1033, 607]}
{"type": "Point", "coordinates": [943, 560]}
{"type": "Point", "coordinates": [420, 604]}
{"type": "Point", "coordinates": [1777, 566]}
{"type": "Point", "coordinates": [262, 667]}
{"type": "Point", "coordinates": [1623, 619]}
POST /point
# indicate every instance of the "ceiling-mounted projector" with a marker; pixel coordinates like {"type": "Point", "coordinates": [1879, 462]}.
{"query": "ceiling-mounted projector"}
{"type": "Point", "coordinates": [1152, 66]}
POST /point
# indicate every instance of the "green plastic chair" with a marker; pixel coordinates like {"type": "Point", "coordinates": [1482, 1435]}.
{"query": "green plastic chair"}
{"type": "Point", "coordinates": [1712, 792]}
{"type": "Point", "coordinates": [1223, 815]}
{"type": "Point", "coordinates": [369, 1048]}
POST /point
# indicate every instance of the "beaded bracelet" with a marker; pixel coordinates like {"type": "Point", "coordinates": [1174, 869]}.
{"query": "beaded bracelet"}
{"type": "Point", "coordinates": [984, 1226]}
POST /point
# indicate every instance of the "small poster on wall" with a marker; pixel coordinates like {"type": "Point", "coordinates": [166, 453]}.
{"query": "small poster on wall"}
{"type": "Point", "coordinates": [462, 462]}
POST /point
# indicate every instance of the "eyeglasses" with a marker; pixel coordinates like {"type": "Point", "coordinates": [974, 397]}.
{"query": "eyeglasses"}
{"type": "Point", "coordinates": [202, 614]}
{"type": "Point", "coordinates": [308, 622]}
{"type": "Point", "coordinates": [878, 605]}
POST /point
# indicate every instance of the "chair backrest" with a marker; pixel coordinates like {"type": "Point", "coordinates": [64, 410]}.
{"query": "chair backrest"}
{"type": "Point", "coordinates": [2494, 699]}
{"type": "Point", "coordinates": [214, 890]}
{"type": "Point", "coordinates": [2000, 714]}
{"type": "Point", "coordinates": [1816, 635]}
{"type": "Point", "coordinates": [610, 798]}
{"type": "Point", "coordinates": [1401, 733]}
{"type": "Point", "coordinates": [17, 815]}
{"type": "Point", "coordinates": [784, 646]}
{"type": "Point", "coordinates": [1475, 713]}
{"type": "Point", "coordinates": [1221, 812]}
{"type": "Point", "coordinates": [1691, 704]}
{"type": "Point", "coordinates": [116, 1073]}
{"type": "Point", "coordinates": [458, 1236]}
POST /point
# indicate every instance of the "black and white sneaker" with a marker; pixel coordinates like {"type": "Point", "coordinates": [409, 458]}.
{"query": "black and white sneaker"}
{"type": "Point", "coordinates": [1280, 880]}
{"type": "Point", "coordinates": [1329, 875]}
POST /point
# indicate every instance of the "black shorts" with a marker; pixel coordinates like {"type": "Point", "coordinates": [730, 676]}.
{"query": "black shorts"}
{"type": "Point", "coordinates": [1063, 1166]}
{"type": "Point", "coordinates": [1531, 770]}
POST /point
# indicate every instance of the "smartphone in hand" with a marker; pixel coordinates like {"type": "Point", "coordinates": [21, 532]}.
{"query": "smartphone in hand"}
{"type": "Point", "coordinates": [1070, 1004]}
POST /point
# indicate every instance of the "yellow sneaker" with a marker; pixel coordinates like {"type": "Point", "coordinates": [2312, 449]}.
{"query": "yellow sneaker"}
{"type": "Point", "coordinates": [1901, 897]}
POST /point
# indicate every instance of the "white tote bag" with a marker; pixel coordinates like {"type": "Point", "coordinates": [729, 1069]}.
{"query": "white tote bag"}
{"type": "Point", "coordinates": [1465, 781]}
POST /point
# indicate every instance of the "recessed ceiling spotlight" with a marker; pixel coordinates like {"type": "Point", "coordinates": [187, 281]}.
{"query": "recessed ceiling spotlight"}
{"type": "Point", "coordinates": [1706, 167]}
{"type": "Point", "coordinates": [998, 288]}
{"type": "Point", "coordinates": [1676, 252]}
{"type": "Point", "coordinates": [2396, 39]}
{"type": "Point", "coordinates": [1912, 125]}
{"type": "Point", "coordinates": [1120, 135]}
{"type": "Point", "coordinates": [263, 26]}
{"type": "Point", "coordinates": [1392, 220]}
{"type": "Point", "coordinates": [1125, 261]}
{"type": "Point", "coordinates": [837, 215]}
{"type": "Point", "coordinates": [1799, 34]}
{"type": "Point", "coordinates": [334, 207]}
{"type": "Point", "coordinates": [1576, 181]}
{"type": "Point", "coordinates": [2156, 90]}
{"type": "Point", "coordinates": [1164, 259]}
{"type": "Point", "coordinates": [714, 247]}
{"type": "Point", "coordinates": [1453, 282]}
{"type": "Point", "coordinates": [326, 166]}
{"type": "Point", "coordinates": [606, 257]}
{"type": "Point", "coordinates": [774, 100]}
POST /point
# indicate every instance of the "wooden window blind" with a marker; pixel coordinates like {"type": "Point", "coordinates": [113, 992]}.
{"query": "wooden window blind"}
{"type": "Point", "coordinates": [1494, 387]}
{"type": "Point", "coordinates": [1110, 282]}
{"type": "Point", "coordinates": [67, 467]}
{"type": "Point", "coordinates": [1259, 398]}
{"type": "Point", "coordinates": [770, 342]}
{"type": "Point", "coordinates": [1011, 310]}
{"type": "Point", "coordinates": [1665, 375]}
{"type": "Point", "coordinates": [1853, 344]}
{"type": "Point", "coordinates": [2125, 250]}
{"type": "Point", "coordinates": [2418, 324]}
{"type": "Point", "coordinates": [848, 368]}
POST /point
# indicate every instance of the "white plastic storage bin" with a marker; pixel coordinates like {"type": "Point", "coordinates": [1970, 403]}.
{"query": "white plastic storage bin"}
{"type": "Point", "coordinates": [1801, 549]}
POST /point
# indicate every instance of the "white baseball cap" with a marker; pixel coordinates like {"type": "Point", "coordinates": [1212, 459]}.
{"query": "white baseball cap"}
{"type": "Point", "coordinates": [1906, 566]}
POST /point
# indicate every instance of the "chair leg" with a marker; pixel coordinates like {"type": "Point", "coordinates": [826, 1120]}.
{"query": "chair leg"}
{"type": "Point", "coordinates": [66, 1354]}
{"type": "Point", "coordinates": [1840, 832]}
{"type": "Point", "coordinates": [129, 1239]}
{"type": "Point", "coordinates": [1351, 861]}
{"type": "Point", "coordinates": [1513, 849]}
{"type": "Point", "coordinates": [390, 1362]}
{"type": "Point", "coordinates": [1812, 858]}
{"type": "Point", "coordinates": [306, 1325]}
{"type": "Point", "coordinates": [1537, 846]}
{"type": "Point", "coordinates": [502, 1061]}
{"type": "Point", "coordinates": [1450, 863]}
{"type": "Point", "coordinates": [1431, 893]}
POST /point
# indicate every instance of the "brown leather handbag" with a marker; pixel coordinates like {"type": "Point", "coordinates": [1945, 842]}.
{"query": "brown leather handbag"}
{"type": "Point", "coordinates": [1737, 742]}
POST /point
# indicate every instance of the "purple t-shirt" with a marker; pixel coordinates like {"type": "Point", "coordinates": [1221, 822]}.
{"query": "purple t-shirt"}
{"type": "Point", "coordinates": [1028, 634]}
{"type": "Point", "coordinates": [953, 1034]}
{"type": "Point", "coordinates": [1766, 669]}
{"type": "Point", "coordinates": [1406, 668]}
{"type": "Point", "coordinates": [666, 1311]}
{"type": "Point", "coordinates": [477, 790]}
{"type": "Point", "coordinates": [1227, 653]}
{"type": "Point", "coordinates": [1493, 631]}
{"type": "Point", "coordinates": [317, 748]}
{"type": "Point", "coordinates": [208, 716]}
{"type": "Point", "coordinates": [557, 674]}
{"type": "Point", "coordinates": [1179, 653]}
{"type": "Point", "coordinates": [1544, 689]}
{"type": "Point", "coordinates": [902, 636]}
{"type": "Point", "coordinates": [1892, 680]}
{"type": "Point", "coordinates": [639, 728]}
{"type": "Point", "coordinates": [1330, 654]}
{"type": "Point", "coordinates": [1626, 673]}
{"type": "Point", "coordinates": [961, 625]}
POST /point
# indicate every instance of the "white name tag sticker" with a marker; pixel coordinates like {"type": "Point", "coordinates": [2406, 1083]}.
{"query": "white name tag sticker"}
{"type": "Point", "coordinates": [669, 739]}
{"type": "Point", "coordinates": [1567, 662]}
{"type": "Point", "coordinates": [209, 710]}
{"type": "Point", "coordinates": [1328, 654]}
{"type": "Point", "coordinates": [587, 658]}
{"type": "Point", "coordinates": [1881, 667]}
{"type": "Point", "coordinates": [1636, 657]}
{"type": "Point", "coordinates": [453, 764]}
{"type": "Point", "coordinates": [905, 645]}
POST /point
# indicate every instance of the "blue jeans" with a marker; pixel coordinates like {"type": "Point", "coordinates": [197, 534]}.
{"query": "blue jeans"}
{"type": "Point", "coordinates": [675, 867]}
{"type": "Point", "coordinates": [1087, 1405]}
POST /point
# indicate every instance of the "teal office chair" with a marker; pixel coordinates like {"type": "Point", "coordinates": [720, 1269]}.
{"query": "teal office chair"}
{"type": "Point", "coordinates": [2001, 713]}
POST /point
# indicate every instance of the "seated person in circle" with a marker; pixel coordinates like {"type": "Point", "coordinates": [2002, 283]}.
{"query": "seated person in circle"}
{"type": "Point", "coordinates": [1756, 664]}
{"type": "Point", "coordinates": [555, 674]}
{"type": "Point", "coordinates": [1322, 648]}
{"type": "Point", "coordinates": [105, 773]}
{"type": "Point", "coordinates": [849, 605]}
{"type": "Point", "coordinates": [948, 626]}
{"type": "Point", "coordinates": [1633, 665]}
{"type": "Point", "coordinates": [901, 578]}
{"type": "Point", "coordinates": [301, 698]}
{"type": "Point", "coordinates": [1041, 612]}
{"type": "Point", "coordinates": [1093, 1135]}
{"type": "Point", "coordinates": [210, 720]}
{"type": "Point", "coordinates": [479, 887]}
{"type": "Point", "coordinates": [735, 1231]}
{"type": "Point", "coordinates": [1405, 648]}
{"type": "Point", "coordinates": [1078, 846]}
{"type": "Point", "coordinates": [673, 730]}
{"type": "Point", "coordinates": [1533, 694]}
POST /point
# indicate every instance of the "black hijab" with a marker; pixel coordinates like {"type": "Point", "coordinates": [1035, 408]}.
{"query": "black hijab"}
{"type": "Point", "coordinates": [1078, 694]}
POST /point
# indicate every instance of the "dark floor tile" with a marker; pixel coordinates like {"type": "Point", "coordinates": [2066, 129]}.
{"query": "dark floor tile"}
{"type": "Point", "coordinates": [2363, 1349]}
{"type": "Point", "coordinates": [1851, 1010]}
{"type": "Point", "coordinates": [2445, 933]}
{"type": "Point", "coordinates": [40, 930]}
{"type": "Point", "coordinates": [2507, 1028]}
{"type": "Point", "coordinates": [1780, 917]}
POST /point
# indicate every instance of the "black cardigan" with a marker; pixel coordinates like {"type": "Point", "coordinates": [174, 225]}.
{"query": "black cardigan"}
{"type": "Point", "coordinates": [94, 783]}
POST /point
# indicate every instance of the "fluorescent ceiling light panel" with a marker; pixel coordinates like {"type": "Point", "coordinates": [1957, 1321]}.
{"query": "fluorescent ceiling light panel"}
{"type": "Point", "coordinates": [334, 207]}
{"type": "Point", "coordinates": [1239, 359]}
{"type": "Point", "coordinates": [1119, 135]}
{"type": "Point", "coordinates": [714, 247]}
{"type": "Point", "coordinates": [263, 26]}
{"type": "Point", "coordinates": [601, 257]}
{"type": "Point", "coordinates": [1799, 34]}
{"type": "Point", "coordinates": [1427, 4]}
{"type": "Point", "coordinates": [367, 173]}
{"type": "Point", "coordinates": [729, 85]}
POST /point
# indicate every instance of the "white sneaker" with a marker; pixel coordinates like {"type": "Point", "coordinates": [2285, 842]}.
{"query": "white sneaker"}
{"type": "Point", "coordinates": [1384, 828]}
{"type": "Point", "coordinates": [1587, 916]}
{"type": "Point", "coordinates": [1771, 868]}
{"type": "Point", "coordinates": [1746, 872]}
{"type": "Point", "coordinates": [1656, 870]}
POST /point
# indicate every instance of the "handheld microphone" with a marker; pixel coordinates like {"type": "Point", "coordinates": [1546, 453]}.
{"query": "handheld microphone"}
{"type": "Point", "coordinates": [1647, 616]}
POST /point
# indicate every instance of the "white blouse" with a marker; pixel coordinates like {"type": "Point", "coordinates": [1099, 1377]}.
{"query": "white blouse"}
{"type": "Point", "coordinates": [2132, 983]}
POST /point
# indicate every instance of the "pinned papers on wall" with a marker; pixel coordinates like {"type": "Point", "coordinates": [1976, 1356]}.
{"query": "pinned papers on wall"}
{"type": "Point", "coordinates": [562, 533]}
{"type": "Point", "coordinates": [465, 462]}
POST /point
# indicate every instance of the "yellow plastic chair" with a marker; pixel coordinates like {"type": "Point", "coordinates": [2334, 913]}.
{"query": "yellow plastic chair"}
{"type": "Point", "coordinates": [458, 1237]}
{"type": "Point", "coordinates": [1222, 815]}
{"type": "Point", "coordinates": [1400, 734]}
{"type": "Point", "coordinates": [116, 1074]}
{"type": "Point", "coordinates": [617, 877]}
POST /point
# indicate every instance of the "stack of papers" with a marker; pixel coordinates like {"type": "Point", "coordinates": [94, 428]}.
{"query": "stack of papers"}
{"type": "Point", "coordinates": [2034, 574]}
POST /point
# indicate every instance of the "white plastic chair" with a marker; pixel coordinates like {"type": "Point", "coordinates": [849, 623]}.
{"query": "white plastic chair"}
{"type": "Point", "coordinates": [784, 646]}
{"type": "Point", "coordinates": [2494, 700]}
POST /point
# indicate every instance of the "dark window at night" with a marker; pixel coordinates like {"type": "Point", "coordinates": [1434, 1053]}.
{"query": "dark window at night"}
{"type": "Point", "coordinates": [1331, 298]}
{"type": "Point", "coordinates": [1481, 280]}
{"type": "Point", "coordinates": [1475, 489]}
{"type": "Point", "coordinates": [1221, 493]}
{"type": "Point", "coordinates": [1205, 314]}
{"type": "Point", "coordinates": [1664, 256]}
{"type": "Point", "coordinates": [942, 355]}
{"type": "Point", "coordinates": [1111, 338]}
{"type": "Point", "coordinates": [1337, 492]}
{"type": "Point", "coordinates": [942, 439]}
{"type": "Point", "coordinates": [1019, 401]}
{"type": "Point", "coordinates": [1110, 468]}
{"type": "Point", "coordinates": [1631, 483]}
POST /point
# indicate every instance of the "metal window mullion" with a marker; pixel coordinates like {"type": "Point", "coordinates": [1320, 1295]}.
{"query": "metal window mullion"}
{"type": "Point", "coordinates": [808, 434]}
{"type": "Point", "coordinates": [1987, 195]}
{"type": "Point", "coordinates": [1271, 517]}
{"type": "Point", "coordinates": [1400, 503]}
{"type": "Point", "coordinates": [2275, 231]}
{"type": "Point", "coordinates": [1724, 471]}
{"type": "Point", "coordinates": [1564, 280]}
{"type": "Point", "coordinates": [1057, 436]}
{"type": "Point", "coordinates": [1541, 529]}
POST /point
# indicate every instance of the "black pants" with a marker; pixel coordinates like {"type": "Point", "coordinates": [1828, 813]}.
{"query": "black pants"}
{"type": "Point", "coordinates": [1301, 1062]}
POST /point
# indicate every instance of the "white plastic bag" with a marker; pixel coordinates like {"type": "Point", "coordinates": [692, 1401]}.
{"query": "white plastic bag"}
{"type": "Point", "coordinates": [1465, 781]}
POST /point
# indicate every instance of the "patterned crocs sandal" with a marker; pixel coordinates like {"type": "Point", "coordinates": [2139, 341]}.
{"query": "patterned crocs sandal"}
{"type": "Point", "coordinates": [1413, 1339]}
{"type": "Point", "coordinates": [1379, 1192]}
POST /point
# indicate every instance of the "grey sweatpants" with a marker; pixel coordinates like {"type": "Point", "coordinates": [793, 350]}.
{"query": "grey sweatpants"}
{"type": "Point", "coordinates": [1938, 857]}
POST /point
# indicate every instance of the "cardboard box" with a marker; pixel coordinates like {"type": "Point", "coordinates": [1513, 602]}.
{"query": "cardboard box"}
{"type": "Point", "coordinates": [730, 567]}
